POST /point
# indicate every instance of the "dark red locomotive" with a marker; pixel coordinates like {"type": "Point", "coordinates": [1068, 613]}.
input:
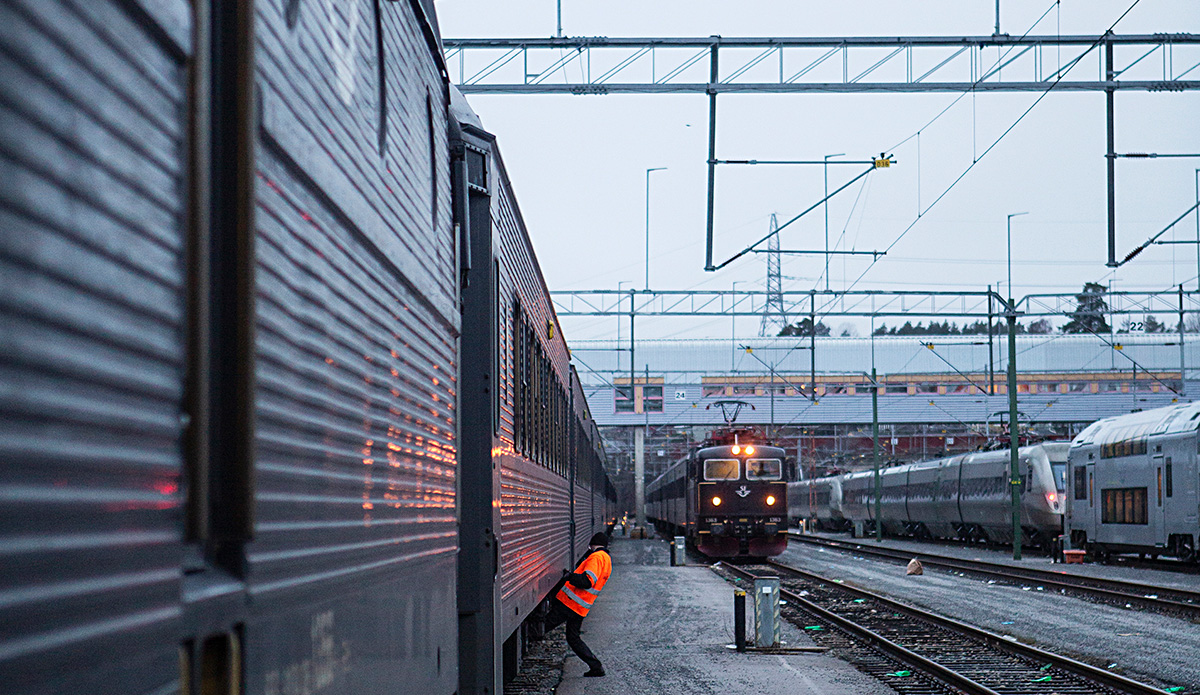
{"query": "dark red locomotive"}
{"type": "Point", "coordinates": [729, 497]}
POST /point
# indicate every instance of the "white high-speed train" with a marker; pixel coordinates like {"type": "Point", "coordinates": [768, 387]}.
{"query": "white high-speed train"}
{"type": "Point", "coordinates": [964, 497]}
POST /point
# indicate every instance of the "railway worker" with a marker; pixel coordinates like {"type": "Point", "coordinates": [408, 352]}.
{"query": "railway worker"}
{"type": "Point", "coordinates": [575, 598]}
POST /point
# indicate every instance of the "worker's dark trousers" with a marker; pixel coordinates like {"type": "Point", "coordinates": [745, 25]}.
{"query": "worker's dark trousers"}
{"type": "Point", "coordinates": [557, 616]}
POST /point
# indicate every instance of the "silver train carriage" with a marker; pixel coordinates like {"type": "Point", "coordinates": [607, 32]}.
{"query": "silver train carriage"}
{"type": "Point", "coordinates": [243, 440]}
{"type": "Point", "coordinates": [729, 500]}
{"type": "Point", "coordinates": [818, 500]}
{"type": "Point", "coordinates": [1135, 484]}
{"type": "Point", "coordinates": [965, 497]}
{"type": "Point", "coordinates": [532, 478]}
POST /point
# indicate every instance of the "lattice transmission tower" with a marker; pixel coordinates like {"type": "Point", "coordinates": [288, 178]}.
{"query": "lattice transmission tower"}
{"type": "Point", "coordinates": [773, 318]}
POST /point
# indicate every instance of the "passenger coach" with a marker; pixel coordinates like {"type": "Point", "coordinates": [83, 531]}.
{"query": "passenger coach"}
{"type": "Point", "coordinates": [286, 408]}
{"type": "Point", "coordinates": [1135, 486]}
{"type": "Point", "coordinates": [728, 497]}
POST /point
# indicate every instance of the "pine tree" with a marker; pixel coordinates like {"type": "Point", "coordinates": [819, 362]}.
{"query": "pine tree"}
{"type": "Point", "coordinates": [1090, 309]}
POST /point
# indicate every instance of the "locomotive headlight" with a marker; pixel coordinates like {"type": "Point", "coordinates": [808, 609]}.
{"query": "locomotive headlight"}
{"type": "Point", "coordinates": [770, 500]}
{"type": "Point", "coordinates": [716, 501]}
{"type": "Point", "coordinates": [737, 450]}
{"type": "Point", "coordinates": [749, 450]}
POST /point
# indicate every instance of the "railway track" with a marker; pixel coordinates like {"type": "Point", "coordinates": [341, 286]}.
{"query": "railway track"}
{"type": "Point", "coordinates": [915, 651]}
{"type": "Point", "coordinates": [1182, 602]}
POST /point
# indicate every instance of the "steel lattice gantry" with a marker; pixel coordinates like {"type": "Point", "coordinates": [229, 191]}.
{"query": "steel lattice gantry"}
{"type": "Point", "coordinates": [1166, 62]}
{"type": "Point", "coordinates": [860, 303]}
{"type": "Point", "coordinates": [602, 65]}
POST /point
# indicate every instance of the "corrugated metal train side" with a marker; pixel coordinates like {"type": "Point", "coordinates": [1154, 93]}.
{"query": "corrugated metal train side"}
{"type": "Point", "coordinates": [533, 480]}
{"type": "Point", "coordinates": [285, 406]}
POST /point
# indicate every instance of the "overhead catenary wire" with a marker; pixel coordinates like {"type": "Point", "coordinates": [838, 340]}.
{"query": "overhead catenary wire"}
{"type": "Point", "coordinates": [1062, 73]}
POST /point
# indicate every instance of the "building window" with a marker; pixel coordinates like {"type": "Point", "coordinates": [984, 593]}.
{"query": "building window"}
{"type": "Point", "coordinates": [741, 390]}
{"type": "Point", "coordinates": [652, 399]}
{"type": "Point", "coordinates": [1078, 387]}
{"type": "Point", "coordinates": [897, 389]}
{"type": "Point", "coordinates": [927, 388]}
{"type": "Point", "coordinates": [623, 399]}
{"type": "Point", "coordinates": [708, 390]}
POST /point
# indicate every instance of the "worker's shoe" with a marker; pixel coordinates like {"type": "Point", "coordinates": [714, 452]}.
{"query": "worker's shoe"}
{"type": "Point", "coordinates": [595, 672]}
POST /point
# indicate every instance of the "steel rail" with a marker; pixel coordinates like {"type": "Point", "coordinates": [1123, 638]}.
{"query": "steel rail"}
{"type": "Point", "coordinates": [904, 655]}
{"type": "Point", "coordinates": [1087, 671]}
{"type": "Point", "coordinates": [1183, 601]}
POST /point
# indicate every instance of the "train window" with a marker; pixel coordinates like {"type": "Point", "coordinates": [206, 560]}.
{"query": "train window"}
{"type": "Point", "coordinates": [721, 469]}
{"type": "Point", "coordinates": [764, 469]}
{"type": "Point", "coordinates": [1081, 488]}
{"type": "Point", "coordinates": [1124, 506]}
{"type": "Point", "coordinates": [1059, 471]}
{"type": "Point", "coordinates": [433, 164]}
{"type": "Point", "coordinates": [497, 349]}
{"type": "Point", "coordinates": [1170, 487]}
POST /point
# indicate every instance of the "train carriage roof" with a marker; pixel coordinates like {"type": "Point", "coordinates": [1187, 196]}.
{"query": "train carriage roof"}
{"type": "Point", "coordinates": [1170, 420]}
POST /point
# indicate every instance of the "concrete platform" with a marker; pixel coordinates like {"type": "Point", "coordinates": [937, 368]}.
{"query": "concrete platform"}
{"type": "Point", "coordinates": [664, 630]}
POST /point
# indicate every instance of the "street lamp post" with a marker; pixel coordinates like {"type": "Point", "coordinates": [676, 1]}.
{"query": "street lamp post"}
{"type": "Point", "coordinates": [733, 325]}
{"type": "Point", "coordinates": [619, 348]}
{"type": "Point", "coordinates": [1015, 214]}
{"type": "Point", "coordinates": [1014, 438]}
{"type": "Point", "coordinates": [825, 204]}
{"type": "Point", "coordinates": [648, 223]}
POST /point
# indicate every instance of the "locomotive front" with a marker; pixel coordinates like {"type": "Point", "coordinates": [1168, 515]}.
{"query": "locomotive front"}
{"type": "Point", "coordinates": [741, 500]}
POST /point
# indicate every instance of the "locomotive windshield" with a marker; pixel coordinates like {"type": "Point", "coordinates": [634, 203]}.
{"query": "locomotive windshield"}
{"type": "Point", "coordinates": [1060, 476]}
{"type": "Point", "coordinates": [721, 469]}
{"type": "Point", "coordinates": [764, 469]}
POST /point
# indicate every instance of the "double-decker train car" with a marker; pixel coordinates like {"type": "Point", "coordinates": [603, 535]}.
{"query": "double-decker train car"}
{"type": "Point", "coordinates": [284, 407]}
{"type": "Point", "coordinates": [818, 500]}
{"type": "Point", "coordinates": [729, 498]}
{"type": "Point", "coordinates": [1135, 484]}
{"type": "Point", "coordinates": [966, 497]}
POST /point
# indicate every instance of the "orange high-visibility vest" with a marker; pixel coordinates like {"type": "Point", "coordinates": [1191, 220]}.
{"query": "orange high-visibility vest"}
{"type": "Point", "coordinates": [597, 566]}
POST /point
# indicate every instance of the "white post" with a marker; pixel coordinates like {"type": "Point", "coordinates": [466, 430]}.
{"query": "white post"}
{"type": "Point", "coordinates": [639, 474]}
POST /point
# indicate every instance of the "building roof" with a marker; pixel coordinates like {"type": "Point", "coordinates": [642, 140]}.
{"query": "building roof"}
{"type": "Point", "coordinates": [685, 361]}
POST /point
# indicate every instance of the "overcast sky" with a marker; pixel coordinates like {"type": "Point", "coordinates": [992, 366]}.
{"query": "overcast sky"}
{"type": "Point", "coordinates": [578, 164]}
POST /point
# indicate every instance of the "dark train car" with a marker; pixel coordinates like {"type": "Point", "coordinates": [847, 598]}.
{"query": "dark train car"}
{"type": "Point", "coordinates": [531, 472]}
{"type": "Point", "coordinates": [230, 329]}
{"type": "Point", "coordinates": [728, 497]}
{"type": "Point", "coordinates": [237, 260]}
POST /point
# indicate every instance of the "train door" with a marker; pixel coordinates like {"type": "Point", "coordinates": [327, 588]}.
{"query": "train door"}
{"type": "Point", "coordinates": [1156, 528]}
{"type": "Point", "coordinates": [1092, 525]}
